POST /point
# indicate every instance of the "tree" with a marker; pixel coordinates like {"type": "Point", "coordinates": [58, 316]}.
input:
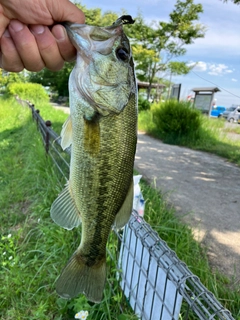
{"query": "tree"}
{"type": "Point", "coordinates": [57, 81]}
{"type": "Point", "coordinates": [155, 46]}
{"type": "Point", "coordinates": [10, 77]}
{"type": "Point", "coordinates": [234, 1]}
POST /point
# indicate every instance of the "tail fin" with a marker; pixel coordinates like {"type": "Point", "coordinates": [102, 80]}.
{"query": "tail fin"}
{"type": "Point", "coordinates": [78, 278]}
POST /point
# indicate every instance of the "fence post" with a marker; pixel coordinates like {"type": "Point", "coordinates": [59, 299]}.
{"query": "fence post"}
{"type": "Point", "coordinates": [36, 117]}
{"type": "Point", "coordinates": [31, 106]}
{"type": "Point", "coordinates": [47, 138]}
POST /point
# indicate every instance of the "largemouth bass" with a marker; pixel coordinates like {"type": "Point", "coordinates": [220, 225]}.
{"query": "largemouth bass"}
{"type": "Point", "coordinates": [102, 132]}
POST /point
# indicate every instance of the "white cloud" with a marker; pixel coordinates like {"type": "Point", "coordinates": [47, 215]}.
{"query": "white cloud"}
{"type": "Point", "coordinates": [221, 40]}
{"type": "Point", "coordinates": [198, 66]}
{"type": "Point", "coordinates": [214, 69]}
{"type": "Point", "coordinates": [234, 80]}
{"type": "Point", "coordinates": [218, 69]}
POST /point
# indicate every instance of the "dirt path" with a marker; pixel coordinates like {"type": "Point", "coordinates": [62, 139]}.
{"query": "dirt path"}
{"type": "Point", "coordinates": [205, 190]}
{"type": "Point", "coordinates": [61, 107]}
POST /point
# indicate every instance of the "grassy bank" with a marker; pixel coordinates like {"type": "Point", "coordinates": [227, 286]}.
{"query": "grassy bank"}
{"type": "Point", "coordinates": [33, 249]}
{"type": "Point", "coordinates": [213, 136]}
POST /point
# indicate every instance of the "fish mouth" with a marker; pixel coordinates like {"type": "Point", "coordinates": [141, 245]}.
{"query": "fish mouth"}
{"type": "Point", "coordinates": [88, 38]}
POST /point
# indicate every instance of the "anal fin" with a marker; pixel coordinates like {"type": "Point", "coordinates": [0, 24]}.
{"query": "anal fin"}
{"type": "Point", "coordinates": [64, 211]}
{"type": "Point", "coordinates": [124, 213]}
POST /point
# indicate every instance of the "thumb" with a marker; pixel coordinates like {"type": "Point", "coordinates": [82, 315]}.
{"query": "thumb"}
{"type": "Point", "coordinates": [67, 11]}
{"type": "Point", "coordinates": [4, 22]}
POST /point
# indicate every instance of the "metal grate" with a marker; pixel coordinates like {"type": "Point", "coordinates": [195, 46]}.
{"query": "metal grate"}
{"type": "Point", "coordinates": [156, 283]}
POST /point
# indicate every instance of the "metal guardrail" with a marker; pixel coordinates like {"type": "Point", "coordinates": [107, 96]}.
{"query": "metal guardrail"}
{"type": "Point", "coordinates": [157, 285]}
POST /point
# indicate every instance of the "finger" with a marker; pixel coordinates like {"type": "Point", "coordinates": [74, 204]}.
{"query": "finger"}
{"type": "Point", "coordinates": [4, 21]}
{"type": "Point", "coordinates": [48, 47]}
{"type": "Point", "coordinates": [10, 59]}
{"type": "Point", "coordinates": [26, 46]}
{"type": "Point", "coordinates": [67, 50]}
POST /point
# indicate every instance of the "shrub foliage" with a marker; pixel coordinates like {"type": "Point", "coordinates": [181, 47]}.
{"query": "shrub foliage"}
{"type": "Point", "coordinates": [143, 104]}
{"type": "Point", "coordinates": [176, 120]}
{"type": "Point", "coordinates": [33, 92]}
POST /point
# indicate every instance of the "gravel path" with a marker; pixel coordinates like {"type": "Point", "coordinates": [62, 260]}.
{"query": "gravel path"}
{"type": "Point", "coordinates": [205, 190]}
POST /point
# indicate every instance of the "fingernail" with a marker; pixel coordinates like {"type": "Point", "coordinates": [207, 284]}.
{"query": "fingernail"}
{"type": "Point", "coordinates": [59, 33]}
{"type": "Point", "coordinates": [7, 34]}
{"type": "Point", "coordinates": [16, 25]}
{"type": "Point", "coordinates": [37, 29]}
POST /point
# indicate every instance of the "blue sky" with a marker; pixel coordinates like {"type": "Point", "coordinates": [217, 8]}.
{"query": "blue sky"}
{"type": "Point", "coordinates": [217, 54]}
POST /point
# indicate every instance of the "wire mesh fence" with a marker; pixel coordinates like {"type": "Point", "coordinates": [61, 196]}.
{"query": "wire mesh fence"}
{"type": "Point", "coordinates": [156, 284]}
{"type": "Point", "coordinates": [159, 285]}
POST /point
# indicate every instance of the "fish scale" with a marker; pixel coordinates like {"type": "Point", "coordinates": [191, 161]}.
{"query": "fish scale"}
{"type": "Point", "coordinates": [102, 132]}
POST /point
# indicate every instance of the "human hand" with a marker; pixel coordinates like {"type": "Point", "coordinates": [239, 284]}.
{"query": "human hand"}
{"type": "Point", "coordinates": [26, 39]}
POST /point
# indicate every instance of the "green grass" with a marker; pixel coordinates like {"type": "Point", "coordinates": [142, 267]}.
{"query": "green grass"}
{"type": "Point", "coordinates": [32, 257]}
{"type": "Point", "coordinates": [213, 136]}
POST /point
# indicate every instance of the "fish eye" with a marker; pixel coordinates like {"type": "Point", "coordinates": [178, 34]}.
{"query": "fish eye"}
{"type": "Point", "coordinates": [122, 54]}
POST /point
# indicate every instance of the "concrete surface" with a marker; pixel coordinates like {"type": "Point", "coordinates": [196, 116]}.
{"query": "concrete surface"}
{"type": "Point", "coordinates": [205, 190]}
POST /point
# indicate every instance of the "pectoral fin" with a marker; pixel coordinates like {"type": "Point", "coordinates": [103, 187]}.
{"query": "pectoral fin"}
{"type": "Point", "coordinates": [66, 133]}
{"type": "Point", "coordinates": [64, 211]}
{"type": "Point", "coordinates": [124, 213]}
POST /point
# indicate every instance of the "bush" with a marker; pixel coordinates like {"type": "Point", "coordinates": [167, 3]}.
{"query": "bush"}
{"type": "Point", "coordinates": [176, 120]}
{"type": "Point", "coordinates": [143, 104]}
{"type": "Point", "coordinates": [33, 92]}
